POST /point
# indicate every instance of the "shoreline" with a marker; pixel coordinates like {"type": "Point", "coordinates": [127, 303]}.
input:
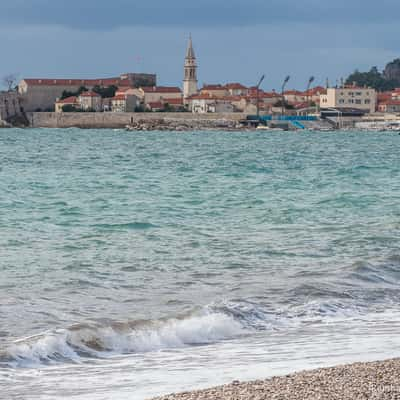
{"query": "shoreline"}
{"type": "Point", "coordinates": [142, 121]}
{"type": "Point", "coordinates": [361, 380]}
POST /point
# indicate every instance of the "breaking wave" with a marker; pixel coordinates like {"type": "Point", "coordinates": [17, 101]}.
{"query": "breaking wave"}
{"type": "Point", "coordinates": [212, 324]}
{"type": "Point", "coordinates": [96, 340]}
{"type": "Point", "coordinates": [306, 304]}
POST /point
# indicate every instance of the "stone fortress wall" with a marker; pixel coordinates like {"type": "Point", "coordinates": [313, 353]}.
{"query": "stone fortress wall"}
{"type": "Point", "coordinates": [42, 93]}
{"type": "Point", "coordinates": [9, 105]}
{"type": "Point", "coordinates": [117, 120]}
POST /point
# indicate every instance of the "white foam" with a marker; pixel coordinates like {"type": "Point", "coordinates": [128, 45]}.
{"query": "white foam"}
{"type": "Point", "coordinates": [108, 340]}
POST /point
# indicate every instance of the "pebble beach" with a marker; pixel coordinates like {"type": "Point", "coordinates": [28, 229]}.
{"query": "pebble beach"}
{"type": "Point", "coordinates": [374, 380]}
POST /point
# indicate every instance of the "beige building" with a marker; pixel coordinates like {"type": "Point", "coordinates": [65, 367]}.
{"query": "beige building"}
{"type": "Point", "coordinates": [230, 89]}
{"type": "Point", "coordinates": [314, 94]}
{"type": "Point", "coordinates": [86, 101]}
{"type": "Point", "coordinates": [294, 96]}
{"type": "Point", "coordinates": [124, 102]}
{"type": "Point", "coordinates": [90, 101]}
{"type": "Point", "coordinates": [214, 90]}
{"type": "Point", "coordinates": [69, 101]}
{"type": "Point", "coordinates": [349, 97]}
{"type": "Point", "coordinates": [41, 94]}
{"type": "Point", "coordinates": [236, 89]}
{"type": "Point", "coordinates": [155, 94]}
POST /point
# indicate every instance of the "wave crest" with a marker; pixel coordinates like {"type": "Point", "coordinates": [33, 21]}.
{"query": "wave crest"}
{"type": "Point", "coordinates": [94, 340]}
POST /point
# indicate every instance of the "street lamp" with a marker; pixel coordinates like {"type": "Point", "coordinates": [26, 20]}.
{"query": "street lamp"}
{"type": "Point", "coordinates": [258, 96]}
{"type": "Point", "coordinates": [310, 81]}
{"type": "Point", "coordinates": [283, 89]}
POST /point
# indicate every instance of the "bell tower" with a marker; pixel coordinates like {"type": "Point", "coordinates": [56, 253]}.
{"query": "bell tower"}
{"type": "Point", "coordinates": [190, 79]}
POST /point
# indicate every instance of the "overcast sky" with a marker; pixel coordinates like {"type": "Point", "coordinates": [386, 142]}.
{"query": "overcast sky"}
{"type": "Point", "coordinates": [235, 40]}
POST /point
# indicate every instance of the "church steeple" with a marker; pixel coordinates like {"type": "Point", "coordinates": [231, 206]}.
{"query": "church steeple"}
{"type": "Point", "coordinates": [190, 52]}
{"type": "Point", "coordinates": [190, 79]}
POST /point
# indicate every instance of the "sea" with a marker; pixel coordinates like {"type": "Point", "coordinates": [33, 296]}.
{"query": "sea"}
{"type": "Point", "coordinates": [136, 264]}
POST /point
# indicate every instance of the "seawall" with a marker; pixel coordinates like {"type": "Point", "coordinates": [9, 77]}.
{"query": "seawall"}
{"type": "Point", "coordinates": [118, 120]}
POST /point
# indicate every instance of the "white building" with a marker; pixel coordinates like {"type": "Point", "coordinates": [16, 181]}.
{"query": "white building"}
{"type": "Point", "coordinates": [349, 97]}
{"type": "Point", "coordinates": [207, 104]}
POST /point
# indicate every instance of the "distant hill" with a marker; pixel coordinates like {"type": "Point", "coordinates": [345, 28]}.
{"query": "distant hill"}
{"type": "Point", "coordinates": [389, 79]}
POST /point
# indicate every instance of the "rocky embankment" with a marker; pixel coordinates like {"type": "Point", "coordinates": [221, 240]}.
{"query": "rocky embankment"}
{"type": "Point", "coordinates": [169, 124]}
{"type": "Point", "coordinates": [360, 381]}
{"type": "Point", "coordinates": [4, 124]}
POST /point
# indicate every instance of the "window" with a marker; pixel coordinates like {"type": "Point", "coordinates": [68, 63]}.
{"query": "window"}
{"type": "Point", "coordinates": [358, 94]}
{"type": "Point", "coordinates": [358, 101]}
{"type": "Point", "coordinates": [367, 101]}
{"type": "Point", "coordinates": [341, 101]}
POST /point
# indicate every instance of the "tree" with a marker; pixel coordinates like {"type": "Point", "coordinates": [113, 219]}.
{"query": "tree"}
{"type": "Point", "coordinates": [10, 81]}
{"type": "Point", "coordinates": [373, 79]}
{"type": "Point", "coordinates": [140, 108]}
{"type": "Point", "coordinates": [388, 80]}
{"type": "Point", "coordinates": [69, 108]}
{"type": "Point", "coordinates": [65, 94]}
{"type": "Point", "coordinates": [168, 107]}
{"type": "Point", "coordinates": [105, 92]}
{"type": "Point", "coordinates": [287, 105]}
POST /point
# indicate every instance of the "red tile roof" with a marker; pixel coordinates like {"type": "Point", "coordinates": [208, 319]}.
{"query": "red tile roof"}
{"type": "Point", "coordinates": [384, 96]}
{"type": "Point", "coordinates": [235, 85]}
{"type": "Point", "coordinates": [156, 104]}
{"type": "Point", "coordinates": [390, 103]}
{"type": "Point", "coordinates": [204, 96]}
{"type": "Point", "coordinates": [161, 89]}
{"type": "Point", "coordinates": [213, 87]}
{"type": "Point", "coordinates": [300, 105]}
{"type": "Point", "coordinates": [89, 94]}
{"type": "Point", "coordinates": [119, 97]}
{"type": "Point", "coordinates": [270, 95]}
{"type": "Point", "coordinates": [293, 92]}
{"type": "Point", "coordinates": [174, 101]}
{"type": "Point", "coordinates": [78, 82]}
{"type": "Point", "coordinates": [124, 88]}
{"type": "Point", "coordinates": [231, 98]}
{"type": "Point", "coordinates": [316, 90]}
{"type": "Point", "coordinates": [68, 100]}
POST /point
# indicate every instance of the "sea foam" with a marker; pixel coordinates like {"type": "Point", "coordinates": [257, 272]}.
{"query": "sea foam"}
{"type": "Point", "coordinates": [94, 340]}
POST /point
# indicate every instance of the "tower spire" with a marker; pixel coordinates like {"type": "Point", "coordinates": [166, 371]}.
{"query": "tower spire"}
{"type": "Point", "coordinates": [190, 50]}
{"type": "Point", "coordinates": [190, 73]}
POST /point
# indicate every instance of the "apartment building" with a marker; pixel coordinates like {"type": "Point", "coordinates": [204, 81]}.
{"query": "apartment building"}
{"type": "Point", "coordinates": [360, 98]}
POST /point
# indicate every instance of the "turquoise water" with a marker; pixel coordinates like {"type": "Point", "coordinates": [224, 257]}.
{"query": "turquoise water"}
{"type": "Point", "coordinates": [135, 264]}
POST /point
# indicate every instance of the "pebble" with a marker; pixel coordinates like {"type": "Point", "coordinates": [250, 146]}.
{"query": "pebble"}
{"type": "Point", "coordinates": [360, 381]}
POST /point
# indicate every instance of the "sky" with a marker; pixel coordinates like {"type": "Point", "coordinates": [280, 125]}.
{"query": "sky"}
{"type": "Point", "coordinates": [234, 40]}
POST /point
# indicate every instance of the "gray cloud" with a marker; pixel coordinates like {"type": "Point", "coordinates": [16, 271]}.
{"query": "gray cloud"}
{"type": "Point", "coordinates": [108, 15]}
{"type": "Point", "coordinates": [235, 40]}
{"type": "Point", "coordinates": [223, 54]}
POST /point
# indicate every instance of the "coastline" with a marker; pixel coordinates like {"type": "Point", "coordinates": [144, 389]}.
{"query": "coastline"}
{"type": "Point", "coordinates": [142, 121]}
{"type": "Point", "coordinates": [362, 380]}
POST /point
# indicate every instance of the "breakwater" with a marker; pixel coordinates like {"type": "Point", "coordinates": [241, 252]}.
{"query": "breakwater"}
{"type": "Point", "coordinates": [121, 120]}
